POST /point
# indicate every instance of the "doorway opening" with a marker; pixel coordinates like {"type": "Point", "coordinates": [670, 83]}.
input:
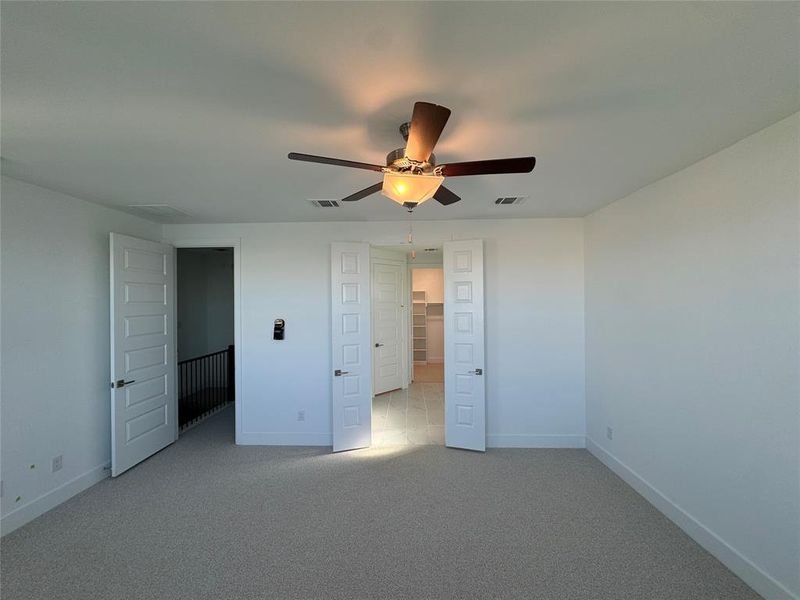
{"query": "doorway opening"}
{"type": "Point", "coordinates": [358, 295]}
{"type": "Point", "coordinates": [408, 340]}
{"type": "Point", "coordinates": [205, 341]}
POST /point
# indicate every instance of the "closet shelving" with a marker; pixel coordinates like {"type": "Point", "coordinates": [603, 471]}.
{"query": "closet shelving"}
{"type": "Point", "coordinates": [419, 306]}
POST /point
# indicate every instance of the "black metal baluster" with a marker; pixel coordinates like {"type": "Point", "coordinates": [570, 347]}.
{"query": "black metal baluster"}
{"type": "Point", "coordinates": [181, 390]}
{"type": "Point", "coordinates": [189, 384]}
{"type": "Point", "coordinates": [201, 367]}
{"type": "Point", "coordinates": [194, 385]}
{"type": "Point", "coordinates": [230, 377]}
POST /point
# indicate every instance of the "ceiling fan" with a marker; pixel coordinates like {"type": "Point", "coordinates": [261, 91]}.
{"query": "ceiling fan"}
{"type": "Point", "coordinates": [411, 175]}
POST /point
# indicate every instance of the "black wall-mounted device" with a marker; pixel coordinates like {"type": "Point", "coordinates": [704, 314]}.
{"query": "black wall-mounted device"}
{"type": "Point", "coordinates": [277, 332]}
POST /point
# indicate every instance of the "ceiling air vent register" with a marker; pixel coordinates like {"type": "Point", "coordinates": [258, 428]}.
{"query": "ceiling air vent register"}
{"type": "Point", "coordinates": [325, 203]}
{"type": "Point", "coordinates": [510, 200]}
{"type": "Point", "coordinates": [163, 211]}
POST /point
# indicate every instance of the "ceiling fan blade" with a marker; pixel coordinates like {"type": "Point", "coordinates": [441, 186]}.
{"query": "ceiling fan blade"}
{"type": "Point", "coordinates": [445, 196]}
{"type": "Point", "coordinates": [339, 162]}
{"type": "Point", "coordinates": [364, 193]}
{"type": "Point", "coordinates": [427, 124]}
{"type": "Point", "coordinates": [490, 167]}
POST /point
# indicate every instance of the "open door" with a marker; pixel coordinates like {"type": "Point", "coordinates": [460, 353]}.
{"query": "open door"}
{"type": "Point", "coordinates": [464, 387]}
{"type": "Point", "coordinates": [388, 333]}
{"type": "Point", "coordinates": [352, 365]}
{"type": "Point", "coordinates": [143, 395]}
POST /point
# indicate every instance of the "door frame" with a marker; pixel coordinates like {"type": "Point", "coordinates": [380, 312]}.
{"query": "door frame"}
{"type": "Point", "coordinates": [236, 244]}
{"type": "Point", "coordinates": [386, 245]}
{"type": "Point", "coordinates": [381, 255]}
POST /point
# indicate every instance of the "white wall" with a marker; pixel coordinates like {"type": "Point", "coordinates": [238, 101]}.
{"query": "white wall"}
{"type": "Point", "coordinates": [534, 323]}
{"type": "Point", "coordinates": [429, 280]}
{"type": "Point", "coordinates": [692, 351]}
{"type": "Point", "coordinates": [55, 346]}
{"type": "Point", "coordinates": [205, 301]}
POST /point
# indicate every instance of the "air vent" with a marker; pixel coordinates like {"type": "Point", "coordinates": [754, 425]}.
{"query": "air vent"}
{"type": "Point", "coordinates": [325, 203]}
{"type": "Point", "coordinates": [509, 200]}
{"type": "Point", "coordinates": [163, 211]}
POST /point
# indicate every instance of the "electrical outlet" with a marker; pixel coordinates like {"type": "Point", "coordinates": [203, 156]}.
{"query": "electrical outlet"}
{"type": "Point", "coordinates": [609, 433]}
{"type": "Point", "coordinates": [301, 415]}
{"type": "Point", "coordinates": [58, 462]}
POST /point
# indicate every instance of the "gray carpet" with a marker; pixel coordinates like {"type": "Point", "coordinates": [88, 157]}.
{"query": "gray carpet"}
{"type": "Point", "coordinates": [206, 519]}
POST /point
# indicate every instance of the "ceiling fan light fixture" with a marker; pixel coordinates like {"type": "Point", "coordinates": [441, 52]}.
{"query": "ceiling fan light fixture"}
{"type": "Point", "coordinates": [404, 187]}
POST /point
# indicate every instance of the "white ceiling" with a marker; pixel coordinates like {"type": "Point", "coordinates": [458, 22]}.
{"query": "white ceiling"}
{"type": "Point", "coordinates": [196, 105]}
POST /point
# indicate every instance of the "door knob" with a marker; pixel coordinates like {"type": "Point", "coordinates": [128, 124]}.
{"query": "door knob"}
{"type": "Point", "coordinates": [119, 383]}
{"type": "Point", "coordinates": [477, 372]}
{"type": "Point", "coordinates": [339, 373]}
{"type": "Point", "coordinates": [377, 345]}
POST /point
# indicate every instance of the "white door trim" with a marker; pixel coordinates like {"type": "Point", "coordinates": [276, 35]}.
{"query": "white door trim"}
{"type": "Point", "coordinates": [236, 244]}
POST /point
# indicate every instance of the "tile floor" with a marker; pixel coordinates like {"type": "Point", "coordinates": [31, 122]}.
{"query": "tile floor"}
{"type": "Point", "coordinates": [409, 417]}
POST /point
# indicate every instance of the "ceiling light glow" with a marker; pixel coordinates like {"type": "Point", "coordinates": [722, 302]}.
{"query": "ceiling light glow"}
{"type": "Point", "coordinates": [403, 187]}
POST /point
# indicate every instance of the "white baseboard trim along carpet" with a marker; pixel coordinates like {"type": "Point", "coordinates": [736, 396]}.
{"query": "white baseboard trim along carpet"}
{"type": "Point", "coordinates": [38, 506]}
{"type": "Point", "coordinates": [533, 440]}
{"type": "Point", "coordinates": [279, 438]}
{"type": "Point", "coordinates": [750, 573]}
{"type": "Point", "coordinates": [521, 440]}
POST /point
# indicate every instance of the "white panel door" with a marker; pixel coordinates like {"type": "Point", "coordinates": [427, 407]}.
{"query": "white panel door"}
{"type": "Point", "coordinates": [352, 368]}
{"type": "Point", "coordinates": [464, 387]}
{"type": "Point", "coordinates": [387, 326]}
{"type": "Point", "coordinates": [143, 363]}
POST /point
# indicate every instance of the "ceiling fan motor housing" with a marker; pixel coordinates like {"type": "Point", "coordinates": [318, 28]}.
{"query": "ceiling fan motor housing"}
{"type": "Point", "coordinates": [397, 161]}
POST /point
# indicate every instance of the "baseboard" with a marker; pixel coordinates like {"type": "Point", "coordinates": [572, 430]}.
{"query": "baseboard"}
{"type": "Point", "coordinates": [279, 438]}
{"type": "Point", "coordinates": [748, 571]}
{"type": "Point", "coordinates": [49, 500]}
{"type": "Point", "coordinates": [524, 440]}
